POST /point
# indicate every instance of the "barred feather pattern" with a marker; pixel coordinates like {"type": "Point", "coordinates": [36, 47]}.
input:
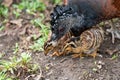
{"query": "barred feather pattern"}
{"type": "Point", "coordinates": [56, 51]}
{"type": "Point", "coordinates": [88, 42]}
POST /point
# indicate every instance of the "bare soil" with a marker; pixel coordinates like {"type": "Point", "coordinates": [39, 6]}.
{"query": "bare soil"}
{"type": "Point", "coordinates": [106, 67]}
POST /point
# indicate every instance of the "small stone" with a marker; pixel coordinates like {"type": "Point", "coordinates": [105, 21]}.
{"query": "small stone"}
{"type": "Point", "coordinates": [100, 62]}
{"type": "Point", "coordinates": [66, 78]}
{"type": "Point", "coordinates": [47, 68]}
{"type": "Point", "coordinates": [99, 66]}
{"type": "Point", "coordinates": [94, 69]}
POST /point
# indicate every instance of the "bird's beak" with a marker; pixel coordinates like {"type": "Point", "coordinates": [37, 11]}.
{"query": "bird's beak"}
{"type": "Point", "coordinates": [45, 52]}
{"type": "Point", "coordinates": [48, 47]}
{"type": "Point", "coordinates": [54, 43]}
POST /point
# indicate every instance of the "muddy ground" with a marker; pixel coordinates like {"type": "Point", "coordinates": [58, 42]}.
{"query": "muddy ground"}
{"type": "Point", "coordinates": [105, 67]}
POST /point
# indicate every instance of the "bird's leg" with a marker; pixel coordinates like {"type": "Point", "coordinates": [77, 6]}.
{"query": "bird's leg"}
{"type": "Point", "coordinates": [94, 54]}
{"type": "Point", "coordinates": [56, 53]}
{"type": "Point", "coordinates": [67, 49]}
{"type": "Point", "coordinates": [77, 52]}
{"type": "Point", "coordinates": [115, 32]}
{"type": "Point", "coordinates": [115, 50]}
{"type": "Point", "coordinates": [72, 47]}
{"type": "Point", "coordinates": [68, 46]}
{"type": "Point", "coordinates": [78, 55]}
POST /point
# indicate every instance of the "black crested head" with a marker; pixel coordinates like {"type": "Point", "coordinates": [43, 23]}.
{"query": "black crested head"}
{"type": "Point", "coordinates": [63, 19]}
{"type": "Point", "coordinates": [60, 10]}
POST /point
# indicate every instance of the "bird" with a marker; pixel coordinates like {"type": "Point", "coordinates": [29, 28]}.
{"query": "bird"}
{"type": "Point", "coordinates": [80, 15]}
{"type": "Point", "coordinates": [85, 45]}
{"type": "Point", "coordinates": [56, 50]}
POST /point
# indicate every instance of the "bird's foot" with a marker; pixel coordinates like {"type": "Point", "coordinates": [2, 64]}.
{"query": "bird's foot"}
{"type": "Point", "coordinates": [116, 50]}
{"type": "Point", "coordinates": [114, 30]}
{"type": "Point", "coordinates": [115, 34]}
{"type": "Point", "coordinates": [80, 55]}
{"type": "Point", "coordinates": [93, 53]}
{"type": "Point", "coordinates": [55, 54]}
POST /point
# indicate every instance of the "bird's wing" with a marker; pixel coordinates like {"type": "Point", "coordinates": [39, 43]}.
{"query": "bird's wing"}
{"type": "Point", "coordinates": [116, 3]}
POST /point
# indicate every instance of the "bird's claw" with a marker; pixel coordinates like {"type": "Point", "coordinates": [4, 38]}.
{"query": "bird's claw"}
{"type": "Point", "coordinates": [115, 34]}
{"type": "Point", "coordinates": [115, 31]}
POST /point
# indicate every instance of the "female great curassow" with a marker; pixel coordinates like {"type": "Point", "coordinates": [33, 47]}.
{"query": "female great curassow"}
{"type": "Point", "coordinates": [80, 15]}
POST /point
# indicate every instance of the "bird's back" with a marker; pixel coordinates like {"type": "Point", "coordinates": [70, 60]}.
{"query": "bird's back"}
{"type": "Point", "coordinates": [104, 8]}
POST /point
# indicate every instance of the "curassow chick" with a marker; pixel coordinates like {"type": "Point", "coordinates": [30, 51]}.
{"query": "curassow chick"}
{"type": "Point", "coordinates": [80, 15]}
{"type": "Point", "coordinates": [85, 45]}
{"type": "Point", "coordinates": [56, 50]}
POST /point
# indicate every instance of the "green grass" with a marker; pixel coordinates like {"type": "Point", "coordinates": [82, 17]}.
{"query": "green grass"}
{"type": "Point", "coordinates": [56, 1]}
{"type": "Point", "coordinates": [1, 28]}
{"type": "Point", "coordinates": [25, 59]}
{"type": "Point", "coordinates": [8, 68]}
{"type": "Point", "coordinates": [114, 57]}
{"type": "Point", "coordinates": [38, 44]}
{"type": "Point", "coordinates": [3, 11]}
{"type": "Point", "coordinates": [16, 49]}
{"type": "Point", "coordinates": [16, 13]}
{"type": "Point", "coordinates": [30, 6]}
{"type": "Point", "coordinates": [3, 76]}
{"type": "Point", "coordinates": [13, 64]}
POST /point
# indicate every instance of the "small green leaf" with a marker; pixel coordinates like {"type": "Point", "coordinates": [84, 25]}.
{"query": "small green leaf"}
{"type": "Point", "coordinates": [114, 57]}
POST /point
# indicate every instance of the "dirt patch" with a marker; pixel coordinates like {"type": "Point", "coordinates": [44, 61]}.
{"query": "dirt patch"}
{"type": "Point", "coordinates": [64, 67]}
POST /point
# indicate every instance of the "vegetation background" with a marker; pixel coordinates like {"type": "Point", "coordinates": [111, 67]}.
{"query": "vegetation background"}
{"type": "Point", "coordinates": [24, 27]}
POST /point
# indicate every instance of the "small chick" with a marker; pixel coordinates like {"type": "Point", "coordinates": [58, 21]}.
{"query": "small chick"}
{"type": "Point", "coordinates": [56, 50]}
{"type": "Point", "coordinates": [86, 44]}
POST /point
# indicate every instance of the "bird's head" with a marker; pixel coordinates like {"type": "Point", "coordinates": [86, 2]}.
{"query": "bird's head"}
{"type": "Point", "coordinates": [63, 19]}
